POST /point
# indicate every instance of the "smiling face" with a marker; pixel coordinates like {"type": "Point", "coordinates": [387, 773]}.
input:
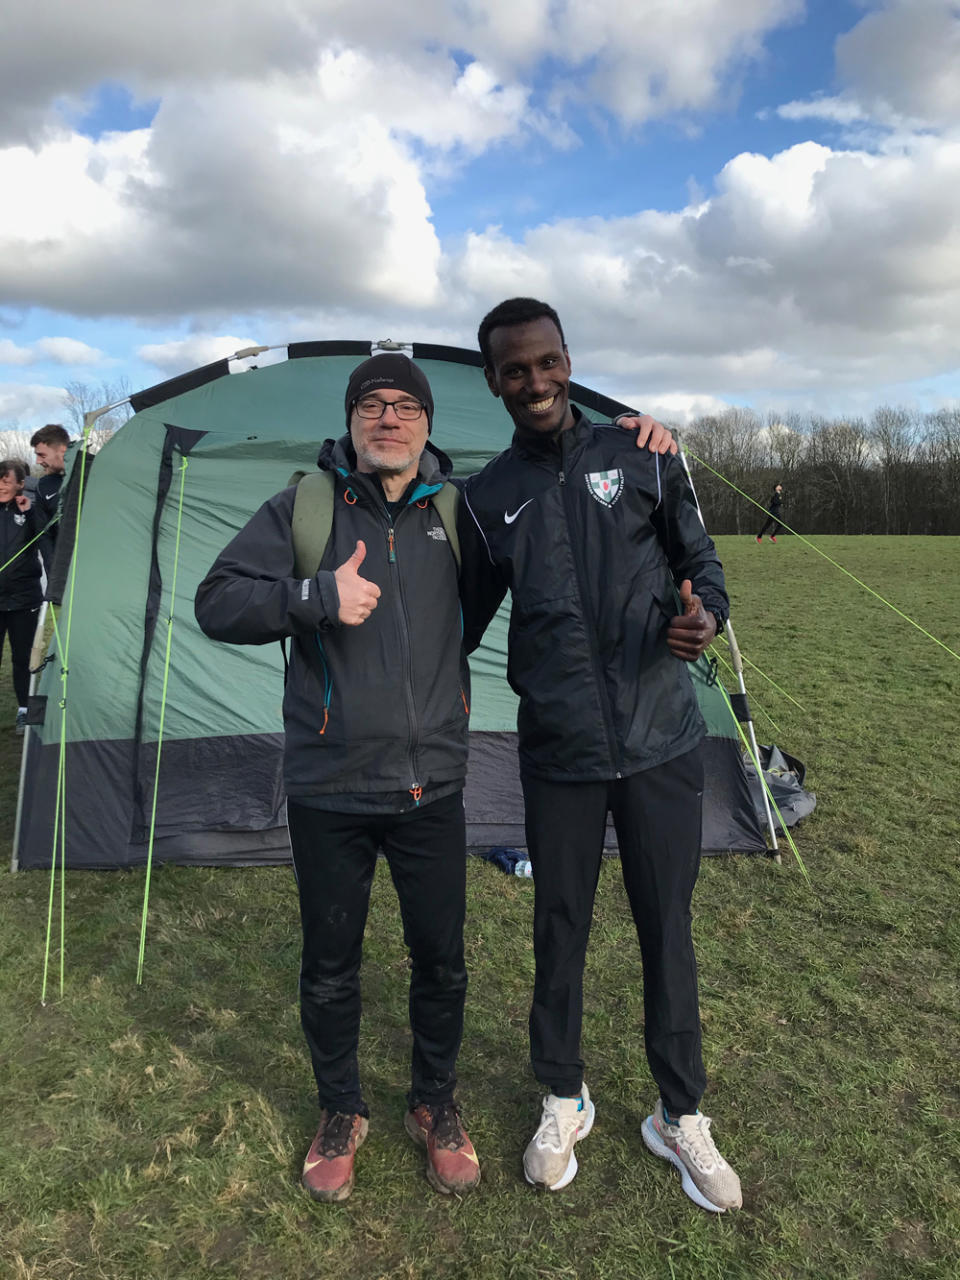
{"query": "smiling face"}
{"type": "Point", "coordinates": [10, 486]}
{"type": "Point", "coordinates": [389, 445]}
{"type": "Point", "coordinates": [529, 369]}
{"type": "Point", "coordinates": [50, 457]}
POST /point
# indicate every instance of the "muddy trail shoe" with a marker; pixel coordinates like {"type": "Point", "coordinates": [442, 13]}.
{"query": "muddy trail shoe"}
{"type": "Point", "coordinates": [549, 1162]}
{"type": "Point", "coordinates": [706, 1177]}
{"type": "Point", "coordinates": [328, 1168]}
{"type": "Point", "coordinates": [452, 1164]}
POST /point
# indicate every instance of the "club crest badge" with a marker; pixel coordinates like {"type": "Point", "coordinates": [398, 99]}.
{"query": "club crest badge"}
{"type": "Point", "coordinates": [605, 486]}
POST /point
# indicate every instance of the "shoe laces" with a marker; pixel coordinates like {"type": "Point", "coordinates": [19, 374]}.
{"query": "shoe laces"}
{"type": "Point", "coordinates": [557, 1123]}
{"type": "Point", "coordinates": [337, 1133]}
{"type": "Point", "coordinates": [693, 1133]}
{"type": "Point", "coordinates": [446, 1125]}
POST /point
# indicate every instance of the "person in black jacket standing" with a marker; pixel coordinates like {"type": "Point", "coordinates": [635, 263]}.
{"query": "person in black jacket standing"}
{"type": "Point", "coordinates": [774, 508]}
{"type": "Point", "coordinates": [20, 590]}
{"type": "Point", "coordinates": [375, 748]}
{"type": "Point", "coordinates": [592, 536]}
{"type": "Point", "coordinates": [50, 444]}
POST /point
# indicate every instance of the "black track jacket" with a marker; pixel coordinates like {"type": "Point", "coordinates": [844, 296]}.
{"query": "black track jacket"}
{"type": "Point", "coordinates": [20, 581]}
{"type": "Point", "coordinates": [589, 533]}
{"type": "Point", "coordinates": [378, 708]}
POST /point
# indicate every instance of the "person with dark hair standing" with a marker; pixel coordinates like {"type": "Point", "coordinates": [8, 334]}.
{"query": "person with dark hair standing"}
{"type": "Point", "coordinates": [774, 507]}
{"type": "Point", "coordinates": [20, 589]}
{"type": "Point", "coordinates": [596, 541]}
{"type": "Point", "coordinates": [50, 444]}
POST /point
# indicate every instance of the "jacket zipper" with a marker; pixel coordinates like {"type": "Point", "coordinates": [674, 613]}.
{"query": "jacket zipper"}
{"type": "Point", "coordinates": [576, 546]}
{"type": "Point", "coordinates": [415, 789]}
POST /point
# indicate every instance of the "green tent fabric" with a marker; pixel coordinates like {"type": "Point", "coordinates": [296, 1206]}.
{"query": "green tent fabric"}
{"type": "Point", "coordinates": [220, 796]}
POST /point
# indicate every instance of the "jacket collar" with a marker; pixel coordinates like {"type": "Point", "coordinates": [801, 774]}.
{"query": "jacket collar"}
{"type": "Point", "coordinates": [527, 444]}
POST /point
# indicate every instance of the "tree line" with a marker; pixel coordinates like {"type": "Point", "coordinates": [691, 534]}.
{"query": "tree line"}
{"type": "Point", "coordinates": [896, 472]}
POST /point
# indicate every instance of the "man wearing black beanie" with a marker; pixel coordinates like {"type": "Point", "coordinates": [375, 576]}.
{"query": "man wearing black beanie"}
{"type": "Point", "coordinates": [376, 711]}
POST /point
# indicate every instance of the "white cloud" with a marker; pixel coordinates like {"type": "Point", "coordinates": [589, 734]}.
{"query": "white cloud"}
{"type": "Point", "coordinates": [903, 57]}
{"type": "Point", "coordinates": [27, 403]}
{"type": "Point", "coordinates": [53, 350]}
{"type": "Point", "coordinates": [11, 353]}
{"type": "Point", "coordinates": [808, 269]}
{"type": "Point", "coordinates": [67, 351]}
{"type": "Point", "coordinates": [285, 177]}
{"type": "Point", "coordinates": [677, 407]}
{"type": "Point", "coordinates": [639, 58]}
{"type": "Point", "coordinates": [180, 354]}
{"type": "Point", "coordinates": [837, 110]}
{"type": "Point", "coordinates": [286, 162]}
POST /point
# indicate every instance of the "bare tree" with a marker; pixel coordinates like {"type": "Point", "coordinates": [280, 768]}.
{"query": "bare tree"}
{"type": "Point", "coordinates": [83, 397]}
{"type": "Point", "coordinates": [893, 435]}
{"type": "Point", "coordinates": [15, 443]}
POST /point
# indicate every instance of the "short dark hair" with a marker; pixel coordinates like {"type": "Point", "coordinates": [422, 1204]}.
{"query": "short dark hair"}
{"type": "Point", "coordinates": [16, 466]}
{"type": "Point", "coordinates": [52, 433]}
{"type": "Point", "coordinates": [514, 311]}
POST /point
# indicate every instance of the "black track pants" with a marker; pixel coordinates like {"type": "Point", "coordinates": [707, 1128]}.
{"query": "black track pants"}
{"type": "Point", "coordinates": [657, 815]}
{"type": "Point", "coordinates": [772, 526]}
{"type": "Point", "coordinates": [20, 625]}
{"type": "Point", "coordinates": [335, 856]}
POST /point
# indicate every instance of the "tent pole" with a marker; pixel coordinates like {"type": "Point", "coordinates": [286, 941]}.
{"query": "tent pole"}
{"type": "Point", "coordinates": [738, 668]}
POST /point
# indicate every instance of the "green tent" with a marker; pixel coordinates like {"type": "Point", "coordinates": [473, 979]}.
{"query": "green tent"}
{"type": "Point", "coordinates": [242, 431]}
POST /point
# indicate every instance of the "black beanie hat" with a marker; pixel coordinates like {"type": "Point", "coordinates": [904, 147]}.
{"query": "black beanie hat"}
{"type": "Point", "coordinates": [397, 373]}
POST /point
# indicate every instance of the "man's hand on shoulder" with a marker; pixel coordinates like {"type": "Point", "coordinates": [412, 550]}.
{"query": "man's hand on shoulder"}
{"type": "Point", "coordinates": [691, 631]}
{"type": "Point", "coordinates": [358, 597]}
{"type": "Point", "coordinates": [650, 432]}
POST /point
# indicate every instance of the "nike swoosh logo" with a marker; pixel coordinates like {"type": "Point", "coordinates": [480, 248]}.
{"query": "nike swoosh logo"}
{"type": "Point", "coordinates": [508, 519]}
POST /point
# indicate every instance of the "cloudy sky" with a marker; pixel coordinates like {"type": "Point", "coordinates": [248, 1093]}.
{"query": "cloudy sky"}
{"type": "Point", "coordinates": [728, 201]}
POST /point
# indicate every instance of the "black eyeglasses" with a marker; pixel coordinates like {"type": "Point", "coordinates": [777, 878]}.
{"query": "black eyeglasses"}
{"type": "Point", "coordinates": [406, 410]}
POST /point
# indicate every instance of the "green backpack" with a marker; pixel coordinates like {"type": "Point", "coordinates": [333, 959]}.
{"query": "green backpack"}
{"type": "Point", "coordinates": [313, 518]}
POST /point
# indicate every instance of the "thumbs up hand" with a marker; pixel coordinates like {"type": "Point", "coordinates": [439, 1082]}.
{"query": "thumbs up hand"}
{"type": "Point", "coordinates": [358, 597]}
{"type": "Point", "coordinates": [691, 631]}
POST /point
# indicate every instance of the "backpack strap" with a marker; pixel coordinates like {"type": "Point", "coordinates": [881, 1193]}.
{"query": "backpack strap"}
{"type": "Point", "coordinates": [445, 504]}
{"type": "Point", "coordinates": [312, 519]}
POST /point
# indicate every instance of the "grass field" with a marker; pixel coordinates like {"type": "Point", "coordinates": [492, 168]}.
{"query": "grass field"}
{"type": "Point", "coordinates": [158, 1132]}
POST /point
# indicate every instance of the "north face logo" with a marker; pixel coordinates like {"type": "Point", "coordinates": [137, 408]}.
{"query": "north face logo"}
{"type": "Point", "coordinates": [605, 486]}
{"type": "Point", "coordinates": [438, 533]}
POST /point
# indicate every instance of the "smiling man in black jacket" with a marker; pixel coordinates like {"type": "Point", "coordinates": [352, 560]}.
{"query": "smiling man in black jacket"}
{"type": "Point", "coordinates": [592, 536]}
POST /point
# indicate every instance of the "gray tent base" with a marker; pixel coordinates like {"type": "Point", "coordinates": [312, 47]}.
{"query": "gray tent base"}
{"type": "Point", "coordinates": [111, 789]}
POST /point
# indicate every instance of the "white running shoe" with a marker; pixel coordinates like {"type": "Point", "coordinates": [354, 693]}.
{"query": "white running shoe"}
{"type": "Point", "coordinates": [706, 1177]}
{"type": "Point", "coordinates": [549, 1162]}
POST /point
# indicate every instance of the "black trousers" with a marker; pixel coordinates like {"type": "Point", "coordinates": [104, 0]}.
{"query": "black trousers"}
{"type": "Point", "coordinates": [20, 625]}
{"type": "Point", "coordinates": [335, 857]}
{"type": "Point", "coordinates": [771, 523]}
{"type": "Point", "coordinates": [657, 815]}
